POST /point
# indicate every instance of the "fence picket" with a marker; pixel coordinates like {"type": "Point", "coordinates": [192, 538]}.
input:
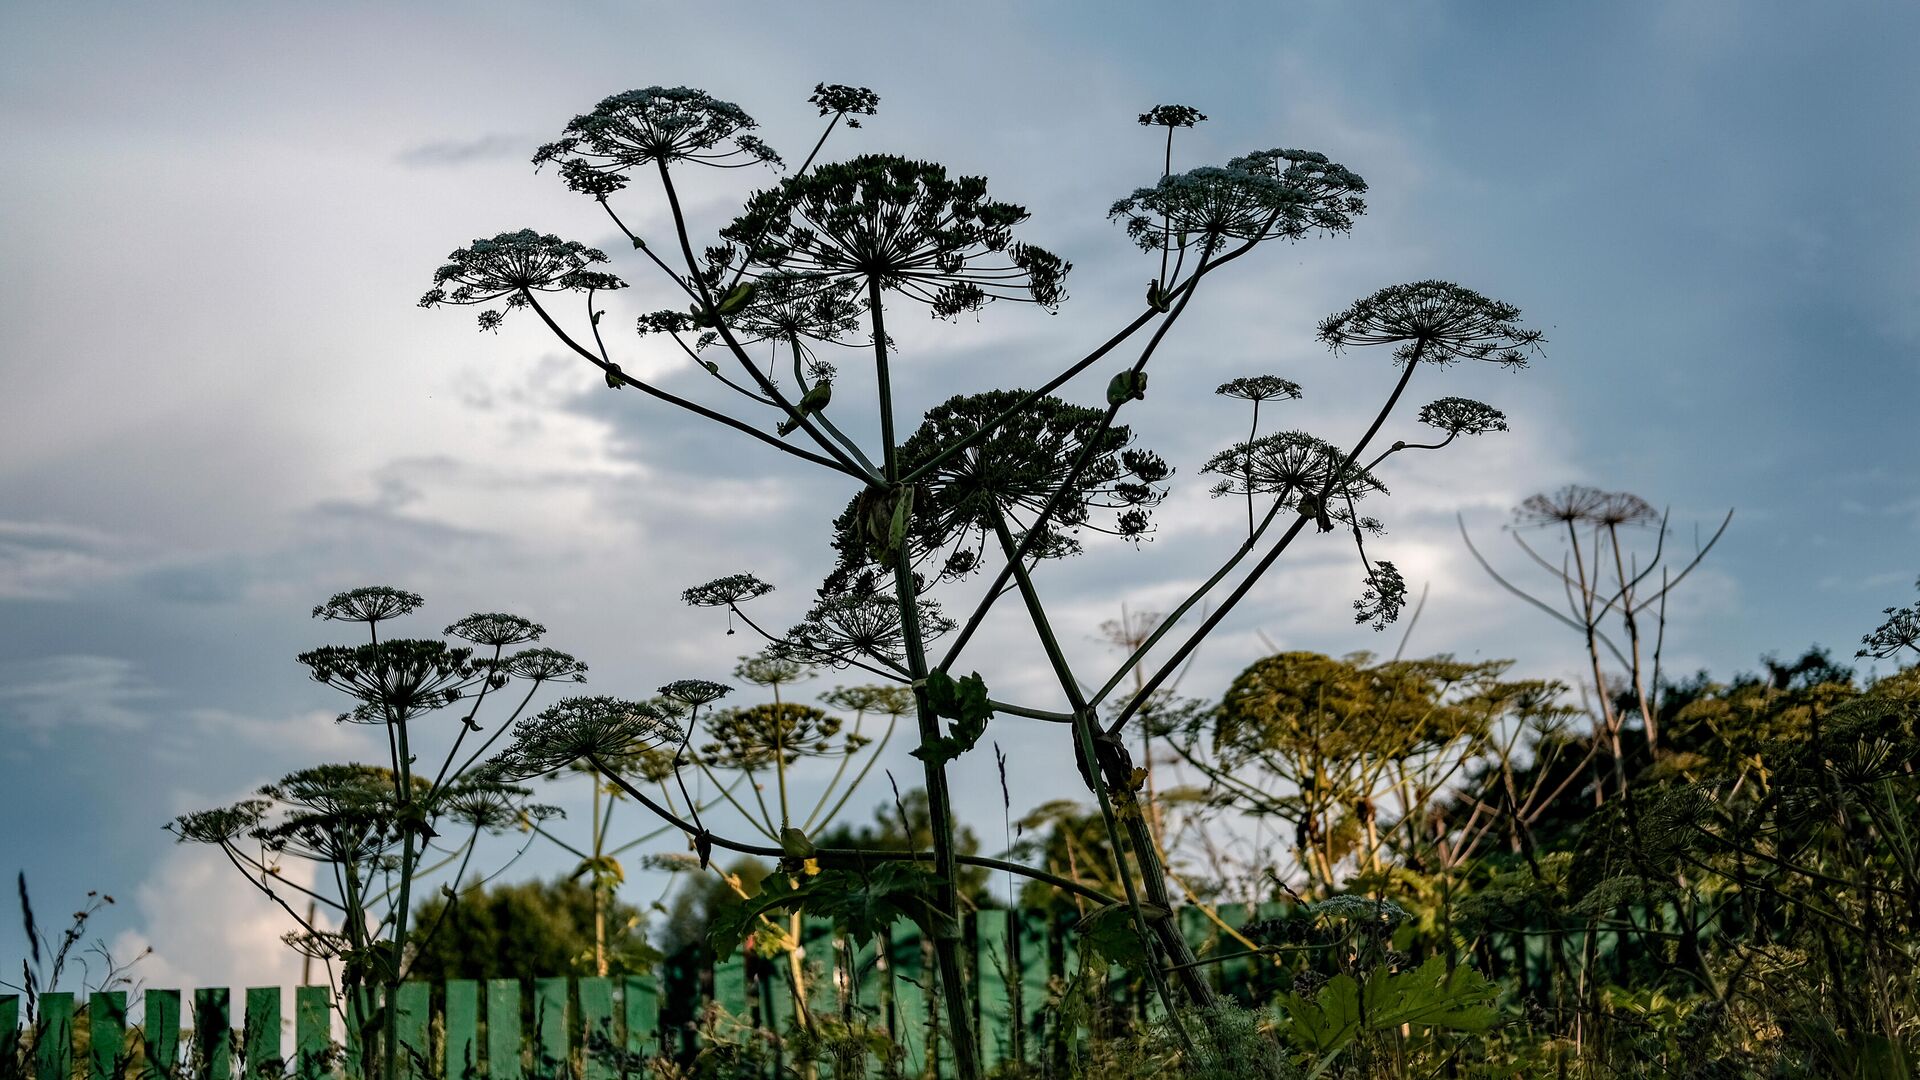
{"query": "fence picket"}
{"type": "Point", "coordinates": [462, 1026]}
{"type": "Point", "coordinates": [160, 1034]}
{"type": "Point", "coordinates": [261, 1035]}
{"type": "Point", "coordinates": [9, 1031]}
{"type": "Point", "coordinates": [106, 1035]}
{"type": "Point", "coordinates": [596, 1024]}
{"type": "Point", "coordinates": [312, 1030]}
{"type": "Point", "coordinates": [641, 1003]}
{"type": "Point", "coordinates": [53, 1038]}
{"type": "Point", "coordinates": [550, 1028]}
{"type": "Point", "coordinates": [503, 1029]}
{"type": "Point", "coordinates": [410, 1003]}
{"type": "Point", "coordinates": [213, 1031]}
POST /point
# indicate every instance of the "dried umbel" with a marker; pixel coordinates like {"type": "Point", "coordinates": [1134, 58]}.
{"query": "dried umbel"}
{"type": "Point", "coordinates": [1434, 322]}
{"type": "Point", "coordinates": [902, 225]}
{"type": "Point", "coordinates": [610, 730]}
{"type": "Point", "coordinates": [1579, 504]}
{"type": "Point", "coordinates": [726, 591]}
{"type": "Point", "coordinates": [1010, 474]}
{"type": "Point", "coordinates": [1270, 195]}
{"type": "Point", "coordinates": [758, 736]}
{"type": "Point", "coordinates": [397, 679]}
{"type": "Point", "coordinates": [1462, 416]}
{"type": "Point", "coordinates": [858, 626]}
{"type": "Point", "coordinates": [368, 605]}
{"type": "Point", "coordinates": [1291, 464]}
{"type": "Point", "coordinates": [657, 125]}
{"type": "Point", "coordinates": [512, 266]}
{"type": "Point", "coordinates": [496, 630]}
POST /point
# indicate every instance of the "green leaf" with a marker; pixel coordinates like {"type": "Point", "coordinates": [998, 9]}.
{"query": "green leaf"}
{"type": "Point", "coordinates": [1108, 935]}
{"type": "Point", "coordinates": [1431, 996]}
{"type": "Point", "coordinates": [962, 701]}
{"type": "Point", "coordinates": [1328, 1022]}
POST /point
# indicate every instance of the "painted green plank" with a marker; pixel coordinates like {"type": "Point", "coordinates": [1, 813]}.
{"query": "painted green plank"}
{"type": "Point", "coordinates": [261, 1036]}
{"type": "Point", "coordinates": [550, 1027]}
{"type": "Point", "coordinates": [9, 1030]}
{"type": "Point", "coordinates": [160, 1030]}
{"type": "Point", "coordinates": [596, 1027]}
{"type": "Point", "coordinates": [823, 991]}
{"type": "Point", "coordinates": [106, 1034]}
{"type": "Point", "coordinates": [53, 1038]}
{"type": "Point", "coordinates": [998, 968]}
{"type": "Point", "coordinates": [411, 1022]}
{"type": "Point", "coordinates": [213, 1032]}
{"type": "Point", "coordinates": [730, 984]}
{"type": "Point", "coordinates": [1036, 960]}
{"type": "Point", "coordinates": [462, 1030]}
{"type": "Point", "coordinates": [362, 1009]}
{"type": "Point", "coordinates": [909, 1000]}
{"type": "Point", "coordinates": [641, 1004]}
{"type": "Point", "coordinates": [503, 1029]}
{"type": "Point", "coordinates": [312, 1031]}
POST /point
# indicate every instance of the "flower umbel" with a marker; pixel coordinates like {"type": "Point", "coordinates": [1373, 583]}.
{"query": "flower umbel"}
{"type": "Point", "coordinates": [513, 266]}
{"type": "Point", "coordinates": [657, 124]}
{"type": "Point", "coordinates": [1436, 322]}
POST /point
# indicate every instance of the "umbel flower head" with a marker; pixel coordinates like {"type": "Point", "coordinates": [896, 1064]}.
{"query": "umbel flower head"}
{"type": "Point", "coordinates": [657, 124]}
{"type": "Point", "coordinates": [1291, 464]}
{"type": "Point", "coordinates": [496, 629]}
{"type": "Point", "coordinates": [395, 680]}
{"type": "Point", "coordinates": [893, 701]}
{"type": "Point", "coordinates": [608, 729]}
{"type": "Point", "coordinates": [757, 736]}
{"type": "Point", "coordinates": [789, 309]}
{"type": "Point", "coordinates": [1579, 504]}
{"type": "Point", "coordinates": [1259, 388]}
{"type": "Point", "coordinates": [726, 591]}
{"type": "Point", "coordinates": [1255, 197]}
{"type": "Point", "coordinates": [513, 266]}
{"type": "Point", "coordinates": [1385, 595]}
{"type": "Point", "coordinates": [1462, 416]}
{"type": "Point", "coordinates": [1436, 322]}
{"type": "Point", "coordinates": [368, 605]}
{"type": "Point", "coordinates": [693, 693]}
{"type": "Point", "coordinates": [856, 626]}
{"type": "Point", "coordinates": [1171, 116]}
{"type": "Point", "coordinates": [1901, 630]}
{"type": "Point", "coordinates": [904, 225]}
{"type": "Point", "coordinates": [847, 102]}
{"type": "Point", "coordinates": [1013, 472]}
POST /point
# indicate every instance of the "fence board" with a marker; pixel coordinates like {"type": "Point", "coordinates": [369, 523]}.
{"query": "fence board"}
{"type": "Point", "coordinates": [312, 1030]}
{"type": "Point", "coordinates": [996, 979]}
{"type": "Point", "coordinates": [411, 1023]}
{"type": "Point", "coordinates": [641, 1003]}
{"type": "Point", "coordinates": [106, 1035]}
{"type": "Point", "coordinates": [53, 1038]}
{"type": "Point", "coordinates": [160, 1034]}
{"type": "Point", "coordinates": [213, 1032]}
{"type": "Point", "coordinates": [261, 1035]}
{"type": "Point", "coordinates": [9, 1030]}
{"type": "Point", "coordinates": [503, 1029]}
{"type": "Point", "coordinates": [550, 1027]}
{"type": "Point", "coordinates": [596, 1027]}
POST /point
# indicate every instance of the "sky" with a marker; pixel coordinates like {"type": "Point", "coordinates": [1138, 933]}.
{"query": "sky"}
{"type": "Point", "coordinates": [221, 404]}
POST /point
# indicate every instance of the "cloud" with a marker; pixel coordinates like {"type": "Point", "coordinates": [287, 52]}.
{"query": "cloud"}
{"type": "Point", "coordinates": [207, 928]}
{"type": "Point", "coordinates": [48, 696]}
{"type": "Point", "coordinates": [452, 153]}
{"type": "Point", "coordinates": [41, 560]}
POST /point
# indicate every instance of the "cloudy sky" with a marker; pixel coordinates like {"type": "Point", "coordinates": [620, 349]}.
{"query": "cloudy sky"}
{"type": "Point", "coordinates": [221, 404]}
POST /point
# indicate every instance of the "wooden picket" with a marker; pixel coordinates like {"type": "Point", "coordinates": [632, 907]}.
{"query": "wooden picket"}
{"type": "Point", "coordinates": [514, 1029]}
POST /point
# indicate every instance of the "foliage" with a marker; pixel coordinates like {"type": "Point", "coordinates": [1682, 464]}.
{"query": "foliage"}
{"type": "Point", "coordinates": [544, 926]}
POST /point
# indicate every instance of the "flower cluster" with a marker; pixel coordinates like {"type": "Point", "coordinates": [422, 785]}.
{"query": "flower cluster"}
{"type": "Point", "coordinates": [1259, 388]}
{"type": "Point", "coordinates": [726, 591]}
{"type": "Point", "coordinates": [903, 225]}
{"type": "Point", "coordinates": [848, 102]}
{"type": "Point", "coordinates": [513, 266]}
{"type": "Point", "coordinates": [1291, 464]}
{"type": "Point", "coordinates": [606, 729]}
{"type": "Point", "coordinates": [1901, 630]}
{"type": "Point", "coordinates": [759, 736]}
{"type": "Point", "coordinates": [855, 626]}
{"type": "Point", "coordinates": [1011, 474]}
{"type": "Point", "coordinates": [395, 680]}
{"type": "Point", "coordinates": [655, 125]}
{"type": "Point", "coordinates": [1386, 594]}
{"type": "Point", "coordinates": [1462, 416]}
{"type": "Point", "coordinates": [1436, 322]}
{"type": "Point", "coordinates": [1579, 504]}
{"type": "Point", "coordinates": [1171, 116]}
{"type": "Point", "coordinates": [1272, 194]}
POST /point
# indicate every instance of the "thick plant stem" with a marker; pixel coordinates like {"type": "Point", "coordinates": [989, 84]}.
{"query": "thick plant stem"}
{"type": "Point", "coordinates": [946, 938]}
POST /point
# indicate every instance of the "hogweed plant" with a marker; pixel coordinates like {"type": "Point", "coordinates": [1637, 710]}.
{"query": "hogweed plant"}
{"type": "Point", "coordinates": [376, 833]}
{"type": "Point", "coordinates": [989, 484]}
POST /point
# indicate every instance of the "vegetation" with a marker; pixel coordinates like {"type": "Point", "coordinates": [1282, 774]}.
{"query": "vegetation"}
{"type": "Point", "coordinates": [1401, 867]}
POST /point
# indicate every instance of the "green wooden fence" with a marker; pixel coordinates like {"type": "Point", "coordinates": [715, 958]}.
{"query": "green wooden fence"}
{"type": "Point", "coordinates": [560, 1028]}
